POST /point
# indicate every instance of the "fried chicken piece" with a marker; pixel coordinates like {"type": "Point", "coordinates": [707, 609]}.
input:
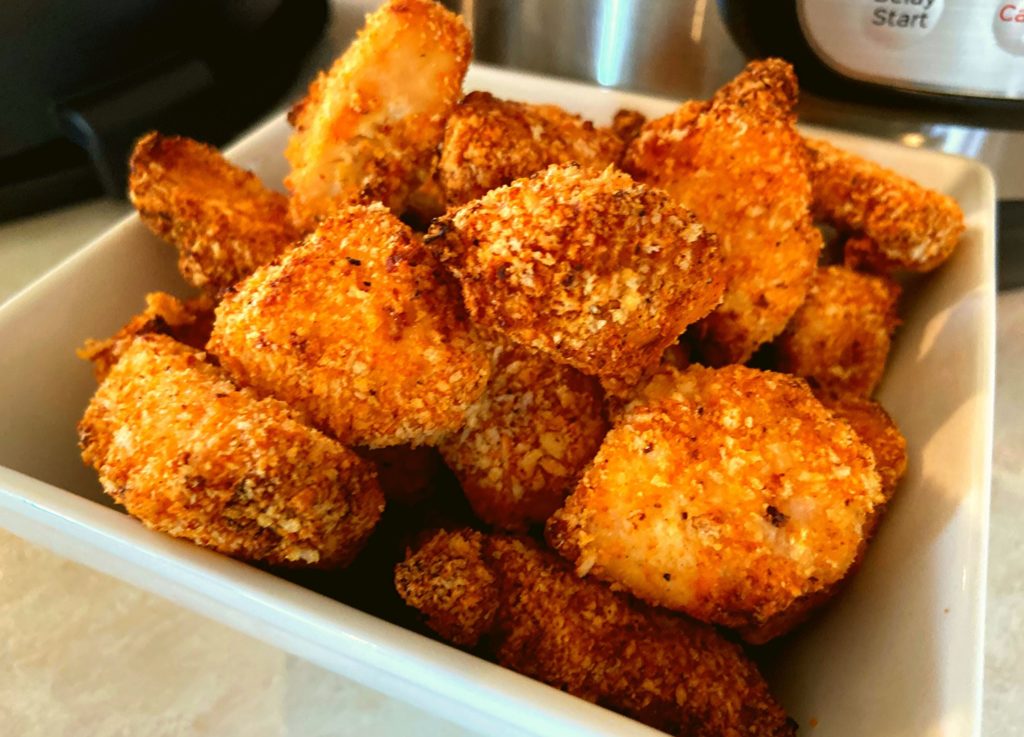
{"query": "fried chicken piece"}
{"type": "Point", "coordinates": [877, 430]}
{"type": "Point", "coordinates": [740, 165]}
{"type": "Point", "coordinates": [189, 454]}
{"type": "Point", "coordinates": [189, 322]}
{"type": "Point", "coordinates": [727, 494]}
{"type": "Point", "coordinates": [595, 270]}
{"type": "Point", "coordinates": [527, 438]}
{"type": "Point", "coordinates": [839, 338]}
{"type": "Point", "coordinates": [367, 129]}
{"type": "Point", "coordinates": [406, 474]}
{"type": "Point", "coordinates": [905, 226]}
{"type": "Point", "coordinates": [490, 142]}
{"type": "Point", "coordinates": [222, 219]}
{"type": "Point", "coordinates": [359, 330]}
{"type": "Point", "coordinates": [627, 124]}
{"type": "Point", "coordinates": [527, 610]}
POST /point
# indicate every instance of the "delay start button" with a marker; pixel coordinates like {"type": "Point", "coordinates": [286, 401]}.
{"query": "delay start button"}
{"type": "Point", "coordinates": [1008, 27]}
{"type": "Point", "coordinates": [900, 23]}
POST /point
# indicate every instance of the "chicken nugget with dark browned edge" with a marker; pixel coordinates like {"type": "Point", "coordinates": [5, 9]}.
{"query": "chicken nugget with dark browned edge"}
{"type": "Point", "coordinates": [359, 329]}
{"type": "Point", "coordinates": [490, 142]}
{"type": "Point", "coordinates": [627, 124]}
{"type": "Point", "coordinates": [839, 339]}
{"type": "Point", "coordinates": [739, 163]}
{"type": "Point", "coordinates": [187, 321]}
{"type": "Point", "coordinates": [221, 218]}
{"type": "Point", "coordinates": [189, 454]}
{"type": "Point", "coordinates": [368, 128]}
{"type": "Point", "coordinates": [728, 494]}
{"type": "Point", "coordinates": [877, 430]}
{"type": "Point", "coordinates": [900, 224]}
{"type": "Point", "coordinates": [527, 438]}
{"type": "Point", "coordinates": [525, 609]}
{"type": "Point", "coordinates": [591, 268]}
{"type": "Point", "coordinates": [406, 474]}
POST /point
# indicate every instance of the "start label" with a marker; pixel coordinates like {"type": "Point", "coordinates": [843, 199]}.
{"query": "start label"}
{"type": "Point", "coordinates": [901, 22]}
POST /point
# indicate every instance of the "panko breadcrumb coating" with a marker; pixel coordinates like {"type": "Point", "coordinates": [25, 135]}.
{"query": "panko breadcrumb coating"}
{"type": "Point", "coordinates": [489, 142]}
{"type": "Point", "coordinates": [727, 494]}
{"type": "Point", "coordinates": [527, 611]}
{"type": "Point", "coordinates": [740, 165]}
{"type": "Point", "coordinates": [839, 338]}
{"type": "Point", "coordinates": [222, 219]}
{"type": "Point", "coordinates": [877, 430]}
{"type": "Point", "coordinates": [907, 226]}
{"type": "Point", "coordinates": [527, 438]}
{"type": "Point", "coordinates": [189, 454]}
{"type": "Point", "coordinates": [359, 330]}
{"type": "Point", "coordinates": [188, 322]}
{"type": "Point", "coordinates": [593, 269]}
{"type": "Point", "coordinates": [627, 124]}
{"type": "Point", "coordinates": [368, 129]}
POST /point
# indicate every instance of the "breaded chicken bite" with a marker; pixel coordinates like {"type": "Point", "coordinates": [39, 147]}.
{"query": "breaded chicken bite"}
{"type": "Point", "coordinates": [222, 219]}
{"type": "Point", "coordinates": [189, 454]}
{"type": "Point", "coordinates": [595, 270]}
{"type": "Point", "coordinates": [905, 226]}
{"type": "Point", "coordinates": [359, 330]}
{"type": "Point", "coordinates": [526, 610]}
{"type": "Point", "coordinates": [728, 494]}
{"type": "Point", "coordinates": [189, 322]}
{"type": "Point", "coordinates": [740, 165]}
{"type": "Point", "coordinates": [839, 338]}
{"type": "Point", "coordinates": [489, 142]}
{"type": "Point", "coordinates": [527, 438]}
{"type": "Point", "coordinates": [877, 430]}
{"type": "Point", "coordinates": [627, 124]}
{"type": "Point", "coordinates": [368, 129]}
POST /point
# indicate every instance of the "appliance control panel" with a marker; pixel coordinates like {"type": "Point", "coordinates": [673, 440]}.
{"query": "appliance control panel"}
{"type": "Point", "coordinates": [973, 48]}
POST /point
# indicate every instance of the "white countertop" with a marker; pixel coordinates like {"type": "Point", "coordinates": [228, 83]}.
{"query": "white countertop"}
{"type": "Point", "coordinates": [84, 654]}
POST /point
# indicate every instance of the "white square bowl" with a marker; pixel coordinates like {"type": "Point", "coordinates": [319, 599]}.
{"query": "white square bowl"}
{"type": "Point", "coordinates": [900, 653]}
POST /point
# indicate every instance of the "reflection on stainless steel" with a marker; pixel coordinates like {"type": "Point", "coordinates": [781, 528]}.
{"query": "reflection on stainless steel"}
{"type": "Point", "coordinates": [675, 48]}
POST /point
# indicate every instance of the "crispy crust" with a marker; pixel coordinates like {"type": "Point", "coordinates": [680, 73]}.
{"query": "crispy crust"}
{"type": "Point", "coordinates": [190, 455]}
{"type": "Point", "coordinates": [527, 438]}
{"type": "Point", "coordinates": [368, 128]}
{"type": "Point", "coordinates": [727, 494]}
{"type": "Point", "coordinates": [907, 226]}
{"type": "Point", "coordinates": [877, 430]}
{"type": "Point", "coordinates": [188, 322]}
{"type": "Point", "coordinates": [839, 338]}
{"type": "Point", "coordinates": [222, 219]}
{"type": "Point", "coordinates": [489, 142]}
{"type": "Point", "coordinates": [531, 614]}
{"type": "Point", "coordinates": [595, 270]}
{"type": "Point", "coordinates": [740, 165]}
{"type": "Point", "coordinates": [627, 125]}
{"type": "Point", "coordinates": [358, 330]}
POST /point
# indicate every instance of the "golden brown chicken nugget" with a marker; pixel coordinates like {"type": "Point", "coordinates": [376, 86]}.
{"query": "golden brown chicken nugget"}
{"type": "Point", "coordinates": [627, 124]}
{"type": "Point", "coordinates": [906, 226]}
{"type": "Point", "coordinates": [591, 268]}
{"type": "Point", "coordinates": [189, 454]}
{"type": "Point", "coordinates": [877, 430]}
{"type": "Point", "coordinates": [369, 127]}
{"type": "Point", "coordinates": [189, 322]}
{"type": "Point", "coordinates": [527, 438]}
{"type": "Point", "coordinates": [221, 218]}
{"type": "Point", "coordinates": [839, 338]}
{"type": "Point", "coordinates": [489, 142]}
{"type": "Point", "coordinates": [727, 494]}
{"type": "Point", "coordinates": [740, 165]}
{"type": "Point", "coordinates": [358, 329]}
{"type": "Point", "coordinates": [527, 611]}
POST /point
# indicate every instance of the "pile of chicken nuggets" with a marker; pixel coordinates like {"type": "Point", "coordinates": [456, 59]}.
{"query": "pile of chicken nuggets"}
{"type": "Point", "coordinates": [559, 316]}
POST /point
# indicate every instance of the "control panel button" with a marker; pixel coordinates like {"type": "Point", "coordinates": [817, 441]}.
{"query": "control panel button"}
{"type": "Point", "coordinates": [1008, 26]}
{"type": "Point", "coordinates": [900, 23]}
